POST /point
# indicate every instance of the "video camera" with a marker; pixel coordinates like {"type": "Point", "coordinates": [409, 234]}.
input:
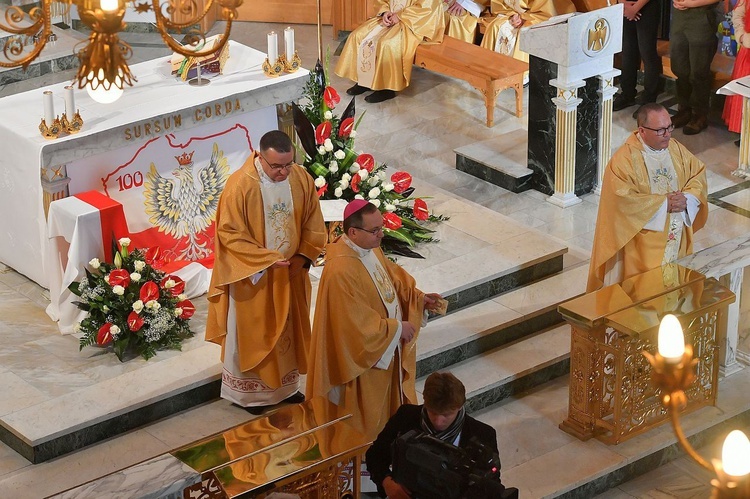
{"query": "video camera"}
{"type": "Point", "coordinates": [433, 469]}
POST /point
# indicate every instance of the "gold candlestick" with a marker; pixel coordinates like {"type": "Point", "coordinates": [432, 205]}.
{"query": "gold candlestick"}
{"type": "Point", "coordinates": [294, 64]}
{"type": "Point", "coordinates": [51, 131]}
{"type": "Point", "coordinates": [74, 125]}
{"type": "Point", "coordinates": [273, 71]}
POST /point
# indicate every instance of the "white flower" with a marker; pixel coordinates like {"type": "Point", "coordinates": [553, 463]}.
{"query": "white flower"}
{"type": "Point", "coordinates": [320, 182]}
{"type": "Point", "coordinates": [376, 202]}
{"type": "Point", "coordinates": [118, 290]}
{"type": "Point", "coordinates": [390, 207]}
{"type": "Point", "coordinates": [358, 196]}
{"type": "Point", "coordinates": [139, 265]}
{"type": "Point", "coordinates": [177, 312]}
{"type": "Point", "coordinates": [106, 278]}
{"type": "Point", "coordinates": [374, 193]}
{"type": "Point", "coordinates": [105, 309]}
{"type": "Point", "coordinates": [169, 284]}
{"type": "Point", "coordinates": [346, 177]}
{"type": "Point", "coordinates": [387, 187]}
{"type": "Point", "coordinates": [339, 154]}
{"type": "Point", "coordinates": [95, 263]}
{"type": "Point", "coordinates": [135, 277]}
{"type": "Point", "coordinates": [338, 192]}
{"type": "Point", "coordinates": [354, 168]}
{"type": "Point", "coordinates": [137, 306]}
{"type": "Point", "coordinates": [344, 184]}
{"type": "Point", "coordinates": [124, 241]}
{"type": "Point", "coordinates": [382, 175]}
{"type": "Point", "coordinates": [333, 167]}
{"type": "Point", "coordinates": [114, 330]}
{"type": "Point", "coordinates": [328, 115]}
{"type": "Point", "coordinates": [328, 145]}
{"type": "Point", "coordinates": [182, 297]}
{"type": "Point", "coordinates": [153, 305]}
{"type": "Point", "coordinates": [374, 180]}
{"type": "Point", "coordinates": [321, 150]}
{"type": "Point", "coordinates": [363, 174]}
{"type": "Point", "coordinates": [353, 134]}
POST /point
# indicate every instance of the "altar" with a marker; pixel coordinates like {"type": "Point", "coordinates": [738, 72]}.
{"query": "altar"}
{"type": "Point", "coordinates": [139, 142]}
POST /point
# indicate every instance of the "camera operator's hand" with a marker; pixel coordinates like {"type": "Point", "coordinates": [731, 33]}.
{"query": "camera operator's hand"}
{"type": "Point", "coordinates": [395, 490]}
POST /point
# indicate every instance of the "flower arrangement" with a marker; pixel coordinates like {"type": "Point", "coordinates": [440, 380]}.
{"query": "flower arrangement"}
{"type": "Point", "coordinates": [131, 305]}
{"type": "Point", "coordinates": [341, 173]}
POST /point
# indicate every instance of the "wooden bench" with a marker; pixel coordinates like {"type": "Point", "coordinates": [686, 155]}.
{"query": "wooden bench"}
{"type": "Point", "coordinates": [487, 71]}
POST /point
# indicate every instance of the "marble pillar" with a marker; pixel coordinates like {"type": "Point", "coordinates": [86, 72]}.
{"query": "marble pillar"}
{"type": "Point", "coordinates": [606, 92]}
{"type": "Point", "coordinates": [743, 168]}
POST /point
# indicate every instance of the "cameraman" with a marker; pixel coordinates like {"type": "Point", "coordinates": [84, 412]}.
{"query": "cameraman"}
{"type": "Point", "coordinates": [443, 416]}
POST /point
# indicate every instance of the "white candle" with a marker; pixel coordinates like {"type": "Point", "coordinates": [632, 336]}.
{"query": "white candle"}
{"type": "Point", "coordinates": [70, 106]}
{"type": "Point", "coordinates": [273, 51]}
{"type": "Point", "coordinates": [671, 340]}
{"type": "Point", "coordinates": [49, 108]}
{"type": "Point", "coordinates": [289, 43]}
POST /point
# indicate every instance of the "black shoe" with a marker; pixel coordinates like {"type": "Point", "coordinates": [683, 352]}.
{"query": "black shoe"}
{"type": "Point", "coordinates": [622, 102]}
{"type": "Point", "coordinates": [297, 398]}
{"type": "Point", "coordinates": [683, 117]}
{"type": "Point", "coordinates": [357, 89]}
{"type": "Point", "coordinates": [380, 96]}
{"type": "Point", "coordinates": [697, 124]}
{"type": "Point", "coordinates": [737, 142]}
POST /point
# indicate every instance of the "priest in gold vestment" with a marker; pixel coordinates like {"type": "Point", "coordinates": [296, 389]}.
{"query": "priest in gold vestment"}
{"type": "Point", "coordinates": [461, 23]}
{"type": "Point", "coordinates": [379, 54]}
{"type": "Point", "coordinates": [269, 228]}
{"type": "Point", "coordinates": [502, 32]}
{"type": "Point", "coordinates": [654, 197]}
{"type": "Point", "coordinates": [367, 318]}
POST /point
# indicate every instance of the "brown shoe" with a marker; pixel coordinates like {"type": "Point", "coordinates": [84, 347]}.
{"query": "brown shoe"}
{"type": "Point", "coordinates": [683, 117]}
{"type": "Point", "coordinates": [698, 123]}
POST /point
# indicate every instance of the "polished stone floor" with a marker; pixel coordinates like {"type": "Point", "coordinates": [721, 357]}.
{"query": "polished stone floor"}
{"type": "Point", "coordinates": [417, 131]}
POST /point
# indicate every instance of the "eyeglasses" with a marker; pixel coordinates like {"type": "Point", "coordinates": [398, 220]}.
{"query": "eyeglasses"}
{"type": "Point", "coordinates": [374, 232]}
{"type": "Point", "coordinates": [661, 132]}
{"type": "Point", "coordinates": [276, 166]}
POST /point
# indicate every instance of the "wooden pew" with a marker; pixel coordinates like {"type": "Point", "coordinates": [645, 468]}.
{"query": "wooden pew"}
{"type": "Point", "coordinates": [487, 71]}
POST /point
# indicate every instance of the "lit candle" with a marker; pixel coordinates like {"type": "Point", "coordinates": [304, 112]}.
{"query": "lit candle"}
{"type": "Point", "coordinates": [671, 339]}
{"type": "Point", "coordinates": [109, 5]}
{"type": "Point", "coordinates": [273, 51]}
{"type": "Point", "coordinates": [289, 43]}
{"type": "Point", "coordinates": [735, 454]}
{"type": "Point", "coordinates": [70, 106]}
{"type": "Point", "coordinates": [49, 108]}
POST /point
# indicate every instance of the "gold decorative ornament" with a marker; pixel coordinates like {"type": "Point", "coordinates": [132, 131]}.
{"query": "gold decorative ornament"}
{"type": "Point", "coordinates": [275, 70]}
{"type": "Point", "coordinates": [73, 125]}
{"type": "Point", "coordinates": [50, 131]}
{"type": "Point", "coordinates": [103, 61]}
{"type": "Point", "coordinates": [294, 64]}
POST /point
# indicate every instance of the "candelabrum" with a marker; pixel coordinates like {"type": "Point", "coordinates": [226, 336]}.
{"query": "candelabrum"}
{"type": "Point", "coordinates": [293, 65]}
{"type": "Point", "coordinates": [273, 71]}
{"type": "Point", "coordinates": [72, 125]}
{"type": "Point", "coordinates": [51, 131]}
{"type": "Point", "coordinates": [673, 372]}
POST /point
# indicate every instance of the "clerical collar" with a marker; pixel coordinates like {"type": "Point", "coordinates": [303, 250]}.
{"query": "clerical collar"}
{"type": "Point", "coordinates": [359, 250]}
{"type": "Point", "coordinates": [650, 150]}
{"type": "Point", "coordinates": [264, 178]}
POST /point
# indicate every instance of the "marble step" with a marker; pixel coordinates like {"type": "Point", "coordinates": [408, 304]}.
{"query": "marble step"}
{"type": "Point", "coordinates": [502, 163]}
{"type": "Point", "coordinates": [499, 321]}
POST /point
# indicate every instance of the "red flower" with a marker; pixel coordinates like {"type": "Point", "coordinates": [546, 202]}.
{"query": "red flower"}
{"type": "Point", "coordinates": [366, 161]}
{"type": "Point", "coordinates": [179, 285]}
{"type": "Point", "coordinates": [401, 181]}
{"type": "Point", "coordinates": [188, 309]}
{"type": "Point", "coordinates": [354, 184]}
{"type": "Point", "coordinates": [322, 190]}
{"type": "Point", "coordinates": [149, 291]}
{"type": "Point", "coordinates": [331, 97]}
{"type": "Point", "coordinates": [119, 277]}
{"type": "Point", "coordinates": [420, 210]}
{"type": "Point", "coordinates": [104, 337]}
{"type": "Point", "coordinates": [391, 221]}
{"type": "Point", "coordinates": [154, 257]}
{"type": "Point", "coordinates": [135, 321]}
{"type": "Point", "coordinates": [346, 127]}
{"type": "Point", "coordinates": [322, 132]}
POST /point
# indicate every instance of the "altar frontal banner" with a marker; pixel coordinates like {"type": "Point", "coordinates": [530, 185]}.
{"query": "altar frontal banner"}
{"type": "Point", "coordinates": [170, 185]}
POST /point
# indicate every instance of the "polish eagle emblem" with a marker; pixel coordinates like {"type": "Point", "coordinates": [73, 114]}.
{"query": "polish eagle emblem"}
{"type": "Point", "coordinates": [183, 206]}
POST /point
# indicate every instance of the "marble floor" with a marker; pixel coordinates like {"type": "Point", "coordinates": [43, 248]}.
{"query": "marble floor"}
{"type": "Point", "coordinates": [417, 131]}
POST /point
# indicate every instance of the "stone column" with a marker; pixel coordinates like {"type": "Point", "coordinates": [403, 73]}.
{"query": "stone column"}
{"type": "Point", "coordinates": [565, 142]}
{"type": "Point", "coordinates": [607, 90]}
{"type": "Point", "coordinates": [728, 364]}
{"type": "Point", "coordinates": [55, 182]}
{"type": "Point", "coordinates": [743, 169]}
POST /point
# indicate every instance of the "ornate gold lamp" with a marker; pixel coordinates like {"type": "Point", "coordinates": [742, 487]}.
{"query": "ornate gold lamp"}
{"type": "Point", "coordinates": [104, 70]}
{"type": "Point", "coordinates": [673, 372]}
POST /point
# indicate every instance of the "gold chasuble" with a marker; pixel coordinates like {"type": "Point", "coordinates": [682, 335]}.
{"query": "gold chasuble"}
{"type": "Point", "coordinates": [501, 37]}
{"type": "Point", "coordinates": [381, 58]}
{"type": "Point", "coordinates": [351, 359]}
{"type": "Point", "coordinates": [260, 316]}
{"type": "Point", "coordinates": [634, 233]}
{"type": "Point", "coordinates": [464, 27]}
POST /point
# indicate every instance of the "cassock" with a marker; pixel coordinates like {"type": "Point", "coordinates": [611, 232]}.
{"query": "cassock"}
{"type": "Point", "coordinates": [260, 316]}
{"type": "Point", "coordinates": [501, 37]}
{"type": "Point", "coordinates": [464, 27]}
{"type": "Point", "coordinates": [381, 58]}
{"type": "Point", "coordinates": [356, 358]}
{"type": "Point", "coordinates": [634, 232]}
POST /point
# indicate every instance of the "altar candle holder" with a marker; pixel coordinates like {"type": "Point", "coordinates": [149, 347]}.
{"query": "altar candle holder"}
{"type": "Point", "coordinates": [73, 125]}
{"type": "Point", "coordinates": [273, 71]}
{"type": "Point", "coordinates": [294, 64]}
{"type": "Point", "coordinates": [51, 131]}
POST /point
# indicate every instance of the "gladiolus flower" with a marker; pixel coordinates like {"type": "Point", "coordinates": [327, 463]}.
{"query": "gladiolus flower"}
{"type": "Point", "coordinates": [149, 291]}
{"type": "Point", "coordinates": [366, 161]}
{"type": "Point", "coordinates": [322, 132]}
{"type": "Point", "coordinates": [135, 321]}
{"type": "Point", "coordinates": [331, 97]}
{"type": "Point", "coordinates": [355, 182]}
{"type": "Point", "coordinates": [420, 210]}
{"type": "Point", "coordinates": [392, 221]}
{"type": "Point", "coordinates": [174, 284]}
{"type": "Point", "coordinates": [104, 335]}
{"type": "Point", "coordinates": [401, 181]}
{"type": "Point", "coordinates": [346, 128]}
{"type": "Point", "coordinates": [119, 277]}
{"type": "Point", "coordinates": [188, 309]}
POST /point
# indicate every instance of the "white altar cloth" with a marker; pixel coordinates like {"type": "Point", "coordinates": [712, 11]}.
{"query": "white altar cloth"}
{"type": "Point", "coordinates": [157, 93]}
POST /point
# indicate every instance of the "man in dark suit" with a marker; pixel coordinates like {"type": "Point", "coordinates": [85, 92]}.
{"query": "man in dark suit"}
{"type": "Point", "coordinates": [443, 416]}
